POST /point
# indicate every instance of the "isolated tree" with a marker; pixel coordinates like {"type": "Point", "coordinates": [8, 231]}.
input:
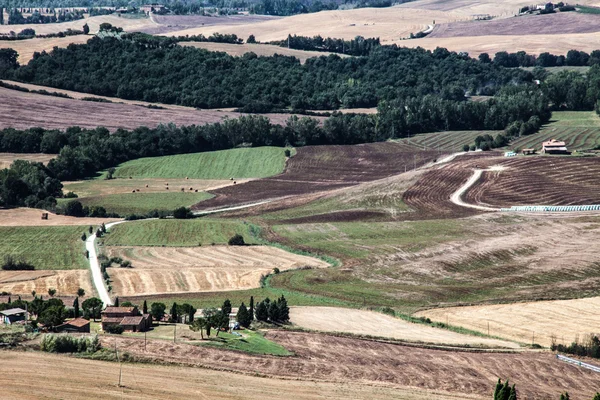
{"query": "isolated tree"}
{"type": "Point", "coordinates": [251, 309]}
{"type": "Point", "coordinates": [86, 29]}
{"type": "Point", "coordinates": [9, 300]}
{"type": "Point", "coordinates": [565, 396]}
{"type": "Point", "coordinates": [182, 213]}
{"type": "Point", "coordinates": [80, 292]}
{"type": "Point", "coordinates": [243, 317]}
{"type": "Point", "coordinates": [33, 293]}
{"type": "Point", "coordinates": [76, 307]}
{"type": "Point", "coordinates": [157, 310]}
{"type": "Point", "coordinates": [145, 307]}
{"type": "Point", "coordinates": [91, 229]}
{"type": "Point", "coordinates": [116, 302]}
{"type": "Point", "coordinates": [74, 208]}
{"type": "Point", "coordinates": [236, 240]}
{"type": "Point", "coordinates": [199, 324]}
{"type": "Point", "coordinates": [251, 39]}
{"type": "Point", "coordinates": [504, 391]}
{"type": "Point", "coordinates": [91, 307]}
{"type": "Point", "coordinates": [174, 316]}
{"type": "Point", "coordinates": [51, 292]}
{"type": "Point", "coordinates": [226, 307]}
{"type": "Point", "coordinates": [103, 227]}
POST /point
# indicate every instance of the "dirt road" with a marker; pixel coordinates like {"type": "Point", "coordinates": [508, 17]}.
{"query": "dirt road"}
{"type": "Point", "coordinates": [457, 196]}
{"type": "Point", "coordinates": [90, 246]}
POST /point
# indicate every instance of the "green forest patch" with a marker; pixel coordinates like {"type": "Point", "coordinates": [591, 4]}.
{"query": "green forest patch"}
{"type": "Point", "coordinates": [47, 248]}
{"type": "Point", "coordinates": [259, 162]}
{"type": "Point", "coordinates": [177, 232]}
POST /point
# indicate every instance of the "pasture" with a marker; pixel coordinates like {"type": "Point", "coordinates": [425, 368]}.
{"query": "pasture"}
{"type": "Point", "coordinates": [177, 232]}
{"type": "Point", "coordinates": [259, 162]}
{"type": "Point", "coordinates": [47, 248]}
{"type": "Point", "coordinates": [199, 269]}
{"type": "Point", "coordinates": [561, 321]}
{"type": "Point", "coordinates": [580, 130]}
{"type": "Point", "coordinates": [371, 323]}
{"type": "Point", "coordinates": [141, 203]}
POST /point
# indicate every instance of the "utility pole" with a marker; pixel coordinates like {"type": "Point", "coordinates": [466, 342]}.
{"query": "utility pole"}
{"type": "Point", "coordinates": [120, 364]}
{"type": "Point", "coordinates": [174, 331]}
{"type": "Point", "coordinates": [145, 332]}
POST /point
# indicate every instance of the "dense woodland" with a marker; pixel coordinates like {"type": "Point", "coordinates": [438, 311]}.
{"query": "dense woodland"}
{"type": "Point", "coordinates": [199, 78]}
{"type": "Point", "coordinates": [358, 46]}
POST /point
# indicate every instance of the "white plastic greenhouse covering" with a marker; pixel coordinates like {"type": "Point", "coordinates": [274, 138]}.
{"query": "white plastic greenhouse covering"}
{"type": "Point", "coordinates": [595, 207]}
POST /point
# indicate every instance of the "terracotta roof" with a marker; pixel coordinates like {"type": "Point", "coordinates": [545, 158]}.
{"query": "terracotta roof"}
{"type": "Point", "coordinates": [116, 310]}
{"type": "Point", "coordinates": [132, 320]}
{"type": "Point", "coordinates": [112, 320]}
{"type": "Point", "coordinates": [78, 322]}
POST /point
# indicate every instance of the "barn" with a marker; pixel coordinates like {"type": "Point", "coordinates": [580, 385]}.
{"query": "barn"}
{"type": "Point", "coordinates": [13, 315]}
{"type": "Point", "coordinates": [554, 146]}
{"type": "Point", "coordinates": [81, 325]}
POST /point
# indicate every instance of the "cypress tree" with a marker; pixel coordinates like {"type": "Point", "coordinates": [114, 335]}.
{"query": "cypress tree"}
{"type": "Point", "coordinates": [513, 393]}
{"type": "Point", "coordinates": [76, 307]}
{"type": "Point", "coordinates": [226, 308]}
{"type": "Point", "coordinates": [243, 317]}
{"type": "Point", "coordinates": [145, 307]}
{"type": "Point", "coordinates": [116, 302]}
{"type": "Point", "coordinates": [274, 312]}
{"type": "Point", "coordinates": [284, 310]}
{"type": "Point", "coordinates": [9, 300]}
{"type": "Point", "coordinates": [262, 314]}
{"type": "Point", "coordinates": [174, 313]}
{"type": "Point", "coordinates": [251, 310]}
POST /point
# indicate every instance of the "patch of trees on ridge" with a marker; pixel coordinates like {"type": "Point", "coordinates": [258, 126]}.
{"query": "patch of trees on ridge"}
{"type": "Point", "coordinates": [358, 46]}
{"type": "Point", "coordinates": [199, 78]}
{"type": "Point", "coordinates": [574, 58]}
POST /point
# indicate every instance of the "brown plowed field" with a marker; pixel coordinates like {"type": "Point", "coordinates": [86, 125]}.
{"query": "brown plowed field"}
{"type": "Point", "coordinates": [430, 196]}
{"type": "Point", "coordinates": [199, 269]}
{"type": "Point", "coordinates": [62, 377]}
{"type": "Point", "coordinates": [33, 217]}
{"type": "Point", "coordinates": [554, 24]}
{"type": "Point", "coordinates": [319, 168]}
{"type": "Point", "coordinates": [65, 282]}
{"type": "Point", "coordinates": [322, 357]}
{"type": "Point", "coordinates": [539, 181]}
{"type": "Point", "coordinates": [7, 158]}
{"type": "Point", "coordinates": [25, 110]}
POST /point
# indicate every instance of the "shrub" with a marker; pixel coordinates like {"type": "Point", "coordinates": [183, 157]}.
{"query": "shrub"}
{"type": "Point", "coordinates": [70, 195]}
{"type": "Point", "coordinates": [182, 213]}
{"type": "Point", "coordinates": [236, 240]}
{"type": "Point", "coordinates": [10, 264]}
{"type": "Point", "coordinates": [114, 329]}
{"type": "Point", "coordinates": [53, 343]}
{"type": "Point", "coordinates": [466, 148]}
{"type": "Point", "coordinates": [287, 153]}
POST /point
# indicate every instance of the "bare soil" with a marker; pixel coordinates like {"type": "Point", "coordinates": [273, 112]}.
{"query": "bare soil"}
{"type": "Point", "coordinates": [33, 217]}
{"type": "Point", "coordinates": [6, 159]}
{"type": "Point", "coordinates": [338, 359]}
{"type": "Point", "coordinates": [59, 113]}
{"type": "Point", "coordinates": [198, 269]}
{"type": "Point", "coordinates": [362, 322]}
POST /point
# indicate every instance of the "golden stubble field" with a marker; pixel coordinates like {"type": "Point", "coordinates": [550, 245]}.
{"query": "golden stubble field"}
{"type": "Point", "coordinates": [65, 282]}
{"type": "Point", "coordinates": [199, 269]}
{"type": "Point", "coordinates": [6, 159]}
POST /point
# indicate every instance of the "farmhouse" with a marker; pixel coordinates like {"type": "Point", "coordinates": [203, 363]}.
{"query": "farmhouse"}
{"type": "Point", "coordinates": [75, 325]}
{"type": "Point", "coordinates": [127, 317]}
{"type": "Point", "coordinates": [148, 8]}
{"type": "Point", "coordinates": [554, 146]}
{"type": "Point", "coordinates": [13, 315]}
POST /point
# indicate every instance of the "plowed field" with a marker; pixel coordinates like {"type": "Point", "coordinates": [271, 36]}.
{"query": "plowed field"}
{"type": "Point", "coordinates": [199, 269]}
{"type": "Point", "coordinates": [32, 217]}
{"type": "Point", "coordinates": [322, 357]}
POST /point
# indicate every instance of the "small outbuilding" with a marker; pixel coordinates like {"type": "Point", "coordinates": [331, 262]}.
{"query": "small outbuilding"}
{"type": "Point", "coordinates": [81, 325]}
{"type": "Point", "coordinates": [13, 315]}
{"type": "Point", "coordinates": [528, 152]}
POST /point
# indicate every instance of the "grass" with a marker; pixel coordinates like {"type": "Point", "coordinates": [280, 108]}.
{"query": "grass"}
{"type": "Point", "coordinates": [250, 342]}
{"type": "Point", "coordinates": [47, 248]}
{"type": "Point", "coordinates": [177, 232]}
{"type": "Point", "coordinates": [141, 203]}
{"type": "Point", "coordinates": [365, 239]}
{"type": "Point", "coordinates": [259, 162]}
{"type": "Point", "coordinates": [588, 10]}
{"type": "Point", "coordinates": [579, 129]}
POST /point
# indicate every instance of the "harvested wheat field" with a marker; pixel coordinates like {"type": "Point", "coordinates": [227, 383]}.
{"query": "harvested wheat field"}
{"type": "Point", "coordinates": [535, 44]}
{"type": "Point", "coordinates": [26, 48]}
{"type": "Point", "coordinates": [361, 322]}
{"type": "Point", "coordinates": [62, 377]}
{"type": "Point", "coordinates": [7, 158]}
{"type": "Point", "coordinates": [199, 269]}
{"type": "Point", "coordinates": [66, 283]}
{"type": "Point", "coordinates": [33, 217]}
{"type": "Point", "coordinates": [128, 24]}
{"type": "Point", "coordinates": [563, 321]}
{"type": "Point", "coordinates": [537, 375]}
{"type": "Point", "coordinates": [258, 49]}
{"type": "Point", "coordinates": [59, 113]}
{"type": "Point", "coordinates": [389, 24]}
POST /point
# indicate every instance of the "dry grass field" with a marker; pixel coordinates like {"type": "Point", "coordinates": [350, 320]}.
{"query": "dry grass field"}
{"type": "Point", "coordinates": [259, 49]}
{"type": "Point", "coordinates": [59, 113]}
{"type": "Point", "coordinates": [33, 217]}
{"type": "Point", "coordinates": [26, 48]}
{"type": "Point", "coordinates": [338, 359]}
{"type": "Point", "coordinates": [66, 283]}
{"type": "Point", "coordinates": [361, 322]}
{"type": "Point", "coordinates": [389, 24]}
{"type": "Point", "coordinates": [7, 158]}
{"type": "Point", "coordinates": [563, 321]}
{"type": "Point", "coordinates": [62, 377]}
{"type": "Point", "coordinates": [199, 269]}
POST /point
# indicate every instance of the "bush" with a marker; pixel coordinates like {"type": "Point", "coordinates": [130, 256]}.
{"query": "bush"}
{"type": "Point", "coordinates": [53, 343]}
{"type": "Point", "coordinates": [114, 329]}
{"type": "Point", "coordinates": [70, 195]}
{"type": "Point", "coordinates": [287, 153]}
{"type": "Point", "coordinates": [11, 264]}
{"type": "Point", "coordinates": [466, 148]}
{"type": "Point", "coordinates": [182, 213]}
{"type": "Point", "coordinates": [236, 240]}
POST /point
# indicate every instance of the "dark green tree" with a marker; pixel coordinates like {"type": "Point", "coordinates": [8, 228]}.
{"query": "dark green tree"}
{"type": "Point", "coordinates": [236, 240]}
{"type": "Point", "coordinates": [86, 29]}
{"type": "Point", "coordinates": [157, 310]}
{"type": "Point", "coordinates": [174, 316]}
{"type": "Point", "coordinates": [52, 316]}
{"type": "Point", "coordinates": [251, 309]}
{"type": "Point", "coordinates": [76, 307]}
{"type": "Point", "coordinates": [145, 307]}
{"type": "Point", "coordinates": [226, 307]}
{"type": "Point", "coordinates": [92, 307]}
{"type": "Point", "coordinates": [262, 310]}
{"type": "Point", "coordinates": [243, 317]}
{"type": "Point", "coordinates": [80, 292]}
{"type": "Point", "coordinates": [274, 312]}
{"type": "Point", "coordinates": [284, 310]}
{"type": "Point", "coordinates": [116, 302]}
{"type": "Point", "coordinates": [565, 396]}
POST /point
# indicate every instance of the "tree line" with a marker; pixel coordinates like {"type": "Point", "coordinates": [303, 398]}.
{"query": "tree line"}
{"type": "Point", "coordinates": [359, 46]}
{"type": "Point", "coordinates": [15, 17]}
{"type": "Point", "coordinates": [198, 78]}
{"type": "Point", "coordinates": [573, 58]}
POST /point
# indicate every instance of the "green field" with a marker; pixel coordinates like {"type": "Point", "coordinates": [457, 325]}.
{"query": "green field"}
{"type": "Point", "coordinates": [177, 232]}
{"type": "Point", "coordinates": [141, 203]}
{"type": "Point", "coordinates": [579, 129]}
{"type": "Point", "coordinates": [259, 162]}
{"type": "Point", "coordinates": [445, 141]}
{"type": "Point", "coordinates": [250, 342]}
{"type": "Point", "coordinates": [54, 247]}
